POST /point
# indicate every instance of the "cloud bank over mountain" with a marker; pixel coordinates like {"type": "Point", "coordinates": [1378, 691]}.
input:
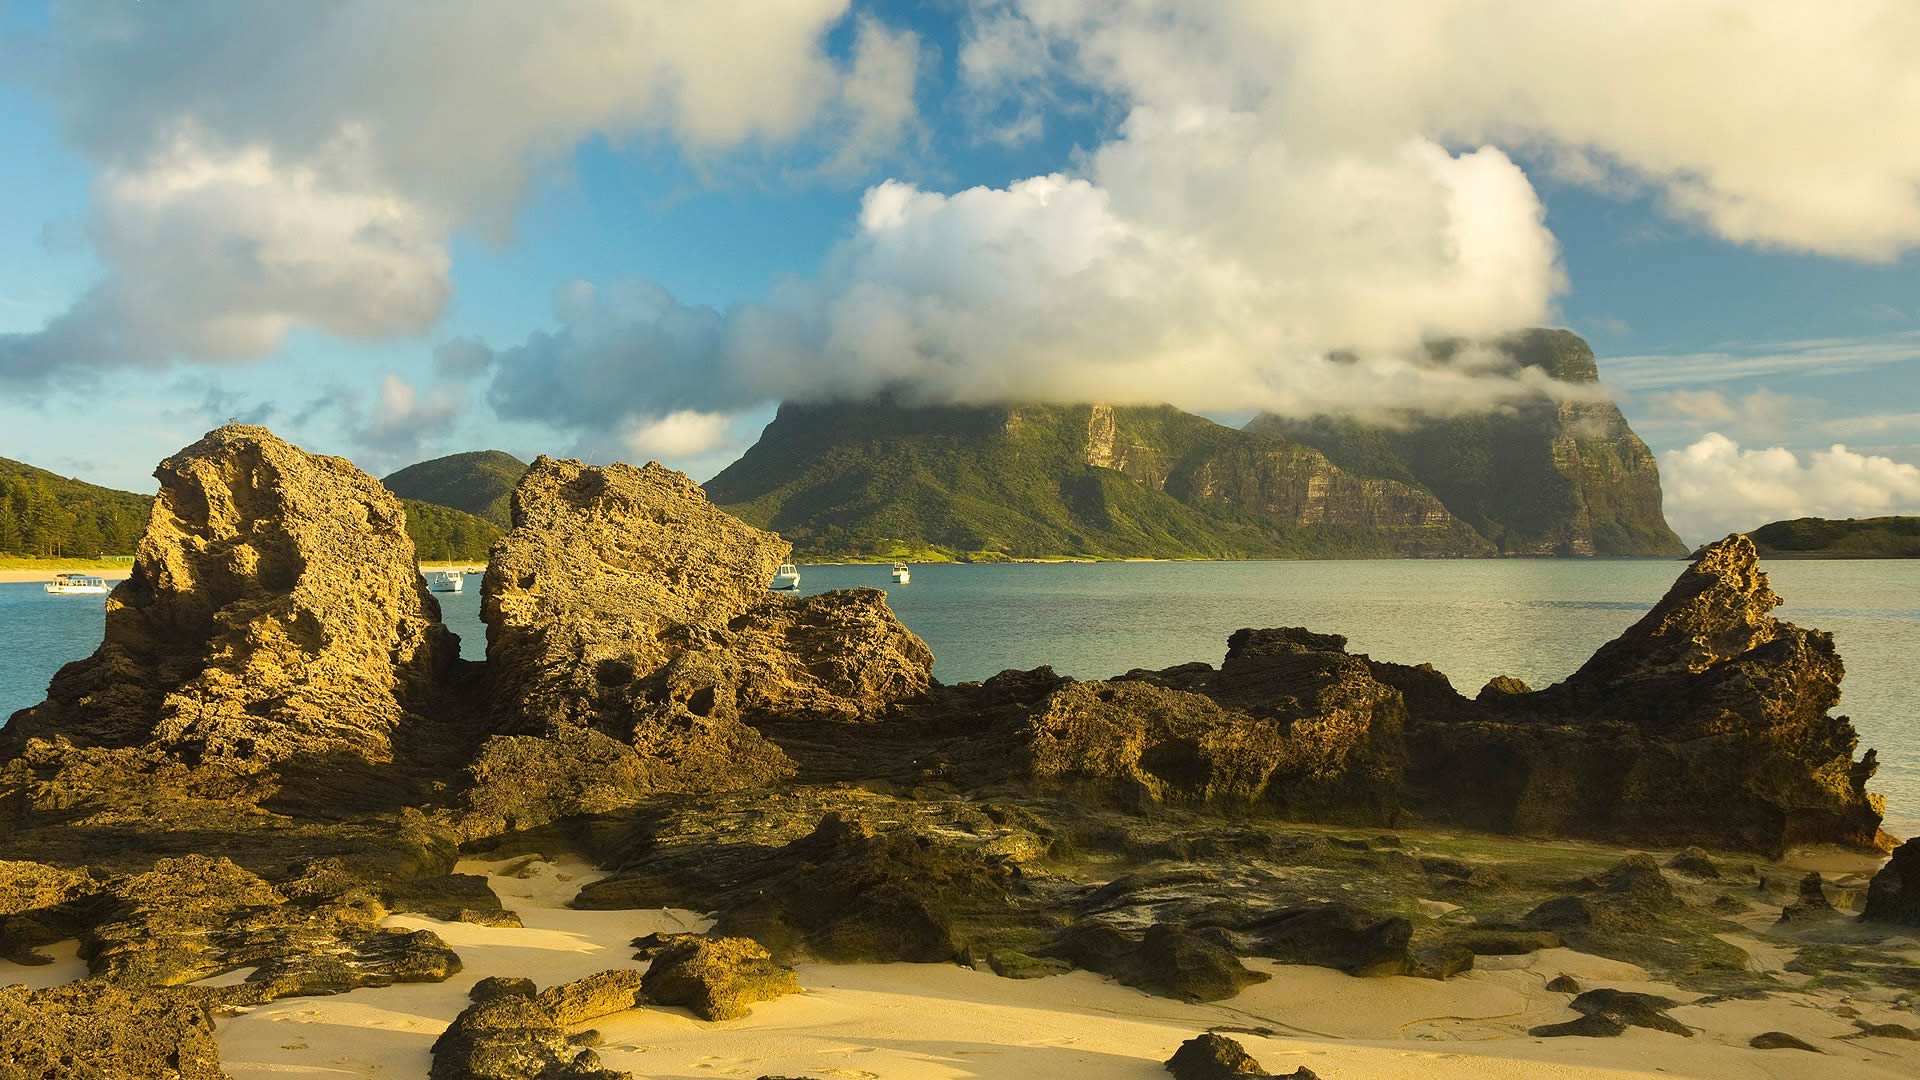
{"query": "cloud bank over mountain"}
{"type": "Point", "coordinates": [1714, 486]}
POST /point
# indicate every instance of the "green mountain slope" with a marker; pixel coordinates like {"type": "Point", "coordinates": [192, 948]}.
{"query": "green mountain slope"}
{"type": "Point", "coordinates": [1852, 538]}
{"type": "Point", "coordinates": [877, 480]}
{"type": "Point", "coordinates": [49, 515]}
{"type": "Point", "coordinates": [479, 482]}
{"type": "Point", "coordinates": [1547, 477]}
{"type": "Point", "coordinates": [443, 534]}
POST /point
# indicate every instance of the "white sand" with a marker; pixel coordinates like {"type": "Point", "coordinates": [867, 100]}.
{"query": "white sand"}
{"type": "Point", "coordinates": [66, 967]}
{"type": "Point", "coordinates": [942, 1022]}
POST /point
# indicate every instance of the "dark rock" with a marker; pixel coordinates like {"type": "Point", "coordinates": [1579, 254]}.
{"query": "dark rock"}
{"type": "Point", "coordinates": [1894, 894]}
{"type": "Point", "coordinates": [1780, 1040]}
{"type": "Point", "coordinates": [1212, 1057]}
{"type": "Point", "coordinates": [717, 978]}
{"type": "Point", "coordinates": [494, 986]}
{"type": "Point", "coordinates": [1886, 1031]}
{"type": "Point", "coordinates": [1607, 1012]}
{"type": "Point", "coordinates": [1696, 862]}
{"type": "Point", "coordinates": [1014, 964]}
{"type": "Point", "coordinates": [1812, 903]}
{"type": "Point", "coordinates": [1166, 960]}
{"type": "Point", "coordinates": [1336, 935]}
{"type": "Point", "coordinates": [94, 1028]}
{"type": "Point", "coordinates": [1728, 905]}
{"type": "Point", "coordinates": [1564, 984]}
{"type": "Point", "coordinates": [1502, 686]}
{"type": "Point", "coordinates": [1440, 961]}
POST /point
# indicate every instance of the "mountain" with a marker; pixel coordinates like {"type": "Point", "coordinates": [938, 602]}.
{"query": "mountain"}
{"type": "Point", "coordinates": [45, 514]}
{"type": "Point", "coordinates": [479, 482]}
{"type": "Point", "coordinates": [880, 480]}
{"type": "Point", "coordinates": [1545, 477]}
{"type": "Point", "coordinates": [1853, 538]}
{"type": "Point", "coordinates": [443, 534]}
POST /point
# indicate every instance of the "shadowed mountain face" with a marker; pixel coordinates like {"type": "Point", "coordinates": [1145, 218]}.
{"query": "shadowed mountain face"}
{"type": "Point", "coordinates": [1558, 475]}
{"type": "Point", "coordinates": [1853, 538]}
{"type": "Point", "coordinates": [882, 480]}
{"type": "Point", "coordinates": [1545, 477]}
{"type": "Point", "coordinates": [479, 482]}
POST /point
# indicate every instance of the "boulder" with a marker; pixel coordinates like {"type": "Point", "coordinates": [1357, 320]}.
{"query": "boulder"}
{"type": "Point", "coordinates": [717, 978]}
{"type": "Point", "coordinates": [595, 996]}
{"type": "Point", "coordinates": [1894, 894]}
{"type": "Point", "coordinates": [1811, 904]}
{"type": "Point", "coordinates": [1607, 1012]}
{"type": "Point", "coordinates": [1165, 960]}
{"type": "Point", "coordinates": [1212, 1057]}
{"type": "Point", "coordinates": [1780, 1040]}
{"type": "Point", "coordinates": [1336, 935]}
{"type": "Point", "coordinates": [275, 611]}
{"type": "Point", "coordinates": [630, 631]}
{"type": "Point", "coordinates": [510, 1037]}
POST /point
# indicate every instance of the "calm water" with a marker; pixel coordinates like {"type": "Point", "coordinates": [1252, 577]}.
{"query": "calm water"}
{"type": "Point", "coordinates": [1535, 619]}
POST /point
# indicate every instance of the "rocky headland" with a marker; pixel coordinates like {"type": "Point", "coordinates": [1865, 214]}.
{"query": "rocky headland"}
{"type": "Point", "coordinates": [275, 779]}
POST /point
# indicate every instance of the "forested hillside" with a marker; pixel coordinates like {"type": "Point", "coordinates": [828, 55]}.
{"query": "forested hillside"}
{"type": "Point", "coordinates": [48, 515]}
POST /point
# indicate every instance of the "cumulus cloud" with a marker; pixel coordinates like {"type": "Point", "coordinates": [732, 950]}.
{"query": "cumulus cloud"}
{"type": "Point", "coordinates": [1714, 487]}
{"type": "Point", "coordinates": [681, 434]}
{"type": "Point", "coordinates": [1785, 125]}
{"type": "Point", "coordinates": [402, 418]}
{"type": "Point", "coordinates": [325, 196]}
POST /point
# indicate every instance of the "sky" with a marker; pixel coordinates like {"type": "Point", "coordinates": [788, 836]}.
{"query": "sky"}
{"type": "Point", "coordinates": [627, 230]}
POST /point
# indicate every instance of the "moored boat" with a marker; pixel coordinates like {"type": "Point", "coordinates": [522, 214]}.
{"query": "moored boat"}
{"type": "Point", "coordinates": [901, 573]}
{"type": "Point", "coordinates": [786, 579]}
{"type": "Point", "coordinates": [66, 584]}
{"type": "Point", "coordinates": [446, 581]}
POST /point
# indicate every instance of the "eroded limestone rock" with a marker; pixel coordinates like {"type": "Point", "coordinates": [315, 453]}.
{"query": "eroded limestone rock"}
{"type": "Point", "coordinates": [717, 978]}
{"type": "Point", "coordinates": [1894, 894]}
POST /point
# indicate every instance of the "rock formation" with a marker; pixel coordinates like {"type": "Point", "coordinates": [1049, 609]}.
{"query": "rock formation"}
{"type": "Point", "coordinates": [631, 635]}
{"type": "Point", "coordinates": [1894, 894]}
{"type": "Point", "coordinates": [275, 611]}
{"type": "Point", "coordinates": [717, 978]}
{"type": "Point", "coordinates": [1708, 722]}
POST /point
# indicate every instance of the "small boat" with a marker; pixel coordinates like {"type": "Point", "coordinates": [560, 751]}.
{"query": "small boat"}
{"type": "Point", "coordinates": [786, 579]}
{"type": "Point", "coordinates": [901, 574]}
{"type": "Point", "coordinates": [446, 581]}
{"type": "Point", "coordinates": [67, 584]}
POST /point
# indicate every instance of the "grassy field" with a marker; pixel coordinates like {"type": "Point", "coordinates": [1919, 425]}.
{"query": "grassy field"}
{"type": "Point", "coordinates": [34, 562]}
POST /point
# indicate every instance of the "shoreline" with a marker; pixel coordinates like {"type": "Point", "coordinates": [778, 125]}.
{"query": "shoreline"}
{"type": "Point", "coordinates": [19, 575]}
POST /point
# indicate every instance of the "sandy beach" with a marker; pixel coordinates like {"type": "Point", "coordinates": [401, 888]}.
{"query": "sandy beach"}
{"type": "Point", "coordinates": [944, 1022]}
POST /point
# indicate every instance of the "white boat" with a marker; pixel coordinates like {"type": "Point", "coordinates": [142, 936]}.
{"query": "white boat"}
{"type": "Point", "coordinates": [901, 574]}
{"type": "Point", "coordinates": [77, 583]}
{"type": "Point", "coordinates": [786, 579]}
{"type": "Point", "coordinates": [446, 581]}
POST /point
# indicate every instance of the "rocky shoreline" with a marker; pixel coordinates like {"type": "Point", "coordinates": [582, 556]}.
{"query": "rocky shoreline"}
{"type": "Point", "coordinates": [276, 750]}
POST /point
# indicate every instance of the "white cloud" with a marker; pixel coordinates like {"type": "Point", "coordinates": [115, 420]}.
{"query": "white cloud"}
{"type": "Point", "coordinates": [403, 419]}
{"type": "Point", "coordinates": [1714, 487]}
{"type": "Point", "coordinates": [1785, 125]}
{"type": "Point", "coordinates": [326, 193]}
{"type": "Point", "coordinates": [1758, 409]}
{"type": "Point", "coordinates": [1813, 357]}
{"type": "Point", "coordinates": [685, 433]}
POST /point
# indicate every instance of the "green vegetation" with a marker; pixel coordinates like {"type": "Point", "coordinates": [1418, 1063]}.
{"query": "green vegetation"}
{"type": "Point", "coordinates": [880, 481]}
{"type": "Point", "coordinates": [1542, 477]}
{"type": "Point", "coordinates": [49, 516]}
{"type": "Point", "coordinates": [444, 535]}
{"type": "Point", "coordinates": [1852, 538]}
{"type": "Point", "coordinates": [479, 482]}
{"type": "Point", "coordinates": [35, 562]}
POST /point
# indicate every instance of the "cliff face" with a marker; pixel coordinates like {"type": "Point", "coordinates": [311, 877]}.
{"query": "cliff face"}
{"type": "Point", "coordinates": [1036, 480]}
{"type": "Point", "coordinates": [1546, 477]}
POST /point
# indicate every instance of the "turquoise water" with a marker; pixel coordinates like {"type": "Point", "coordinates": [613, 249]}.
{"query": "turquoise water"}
{"type": "Point", "coordinates": [1537, 619]}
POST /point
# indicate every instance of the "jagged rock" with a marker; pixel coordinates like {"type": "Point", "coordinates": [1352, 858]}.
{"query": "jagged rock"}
{"type": "Point", "coordinates": [1885, 1031]}
{"type": "Point", "coordinates": [1894, 894]}
{"type": "Point", "coordinates": [1336, 935]}
{"type": "Point", "coordinates": [27, 886]}
{"type": "Point", "coordinates": [1628, 896]}
{"type": "Point", "coordinates": [1289, 722]}
{"type": "Point", "coordinates": [1606, 1012]}
{"type": "Point", "coordinates": [1812, 903]}
{"type": "Point", "coordinates": [274, 613]}
{"type": "Point", "coordinates": [1563, 984]}
{"type": "Point", "coordinates": [1696, 862]}
{"type": "Point", "coordinates": [93, 1028]}
{"type": "Point", "coordinates": [1780, 1040]}
{"type": "Point", "coordinates": [1213, 1057]}
{"type": "Point", "coordinates": [630, 632]}
{"type": "Point", "coordinates": [717, 978]}
{"type": "Point", "coordinates": [510, 1037]}
{"type": "Point", "coordinates": [1166, 960]}
{"type": "Point", "coordinates": [1708, 721]}
{"type": "Point", "coordinates": [1440, 961]}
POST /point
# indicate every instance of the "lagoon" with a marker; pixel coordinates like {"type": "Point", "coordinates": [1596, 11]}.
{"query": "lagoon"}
{"type": "Point", "coordinates": [1537, 619]}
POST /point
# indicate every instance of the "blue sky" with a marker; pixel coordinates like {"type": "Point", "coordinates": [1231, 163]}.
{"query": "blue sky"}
{"type": "Point", "coordinates": [804, 214]}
